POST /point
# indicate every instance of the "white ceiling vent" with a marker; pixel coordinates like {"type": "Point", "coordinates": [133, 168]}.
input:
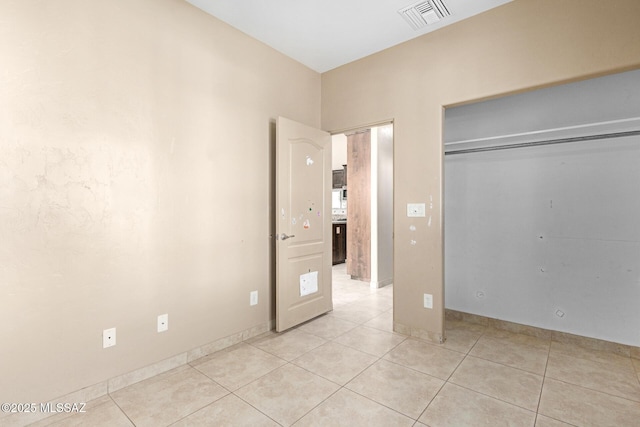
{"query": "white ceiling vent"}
{"type": "Point", "coordinates": [420, 14]}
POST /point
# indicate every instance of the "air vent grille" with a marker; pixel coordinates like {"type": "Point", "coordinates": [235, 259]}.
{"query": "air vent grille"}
{"type": "Point", "coordinates": [423, 13]}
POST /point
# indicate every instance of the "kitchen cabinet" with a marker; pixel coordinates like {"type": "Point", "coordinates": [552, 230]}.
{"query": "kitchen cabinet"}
{"type": "Point", "coordinates": [339, 242]}
{"type": "Point", "coordinates": [340, 177]}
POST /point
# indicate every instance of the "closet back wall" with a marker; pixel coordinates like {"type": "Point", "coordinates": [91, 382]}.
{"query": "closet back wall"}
{"type": "Point", "coordinates": [549, 235]}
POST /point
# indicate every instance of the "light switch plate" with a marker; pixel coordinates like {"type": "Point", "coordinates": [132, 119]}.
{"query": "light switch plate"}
{"type": "Point", "coordinates": [253, 298]}
{"type": "Point", "coordinates": [416, 210]}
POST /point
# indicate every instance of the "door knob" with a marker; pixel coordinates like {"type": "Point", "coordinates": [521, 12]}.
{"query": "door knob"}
{"type": "Point", "coordinates": [285, 237]}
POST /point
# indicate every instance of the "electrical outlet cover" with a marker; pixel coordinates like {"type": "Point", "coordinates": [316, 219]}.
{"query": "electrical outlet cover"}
{"type": "Point", "coordinates": [109, 337]}
{"type": "Point", "coordinates": [163, 322]}
{"type": "Point", "coordinates": [428, 301]}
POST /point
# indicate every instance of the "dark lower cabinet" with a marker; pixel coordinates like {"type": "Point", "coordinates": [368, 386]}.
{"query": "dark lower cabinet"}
{"type": "Point", "coordinates": [339, 243]}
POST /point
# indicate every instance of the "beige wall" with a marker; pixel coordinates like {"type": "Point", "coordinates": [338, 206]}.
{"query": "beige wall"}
{"type": "Point", "coordinates": [518, 46]}
{"type": "Point", "coordinates": [135, 172]}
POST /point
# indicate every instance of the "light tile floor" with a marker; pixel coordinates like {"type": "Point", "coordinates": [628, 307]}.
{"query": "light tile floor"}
{"type": "Point", "coordinates": [348, 368]}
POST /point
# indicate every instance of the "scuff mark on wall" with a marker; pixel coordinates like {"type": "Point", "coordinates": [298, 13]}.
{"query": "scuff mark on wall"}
{"type": "Point", "coordinates": [67, 196]}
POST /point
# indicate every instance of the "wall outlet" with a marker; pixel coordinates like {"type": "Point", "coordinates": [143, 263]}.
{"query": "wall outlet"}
{"type": "Point", "coordinates": [253, 298]}
{"type": "Point", "coordinates": [428, 301]}
{"type": "Point", "coordinates": [163, 322]}
{"type": "Point", "coordinates": [108, 337]}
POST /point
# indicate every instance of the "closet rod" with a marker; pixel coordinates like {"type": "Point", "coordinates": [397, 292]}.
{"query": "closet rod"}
{"type": "Point", "coordinates": [545, 142]}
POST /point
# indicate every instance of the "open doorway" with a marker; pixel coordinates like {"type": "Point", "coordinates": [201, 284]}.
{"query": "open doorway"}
{"type": "Point", "coordinates": [362, 223]}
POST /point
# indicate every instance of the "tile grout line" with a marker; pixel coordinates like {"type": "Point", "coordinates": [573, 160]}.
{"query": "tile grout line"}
{"type": "Point", "coordinates": [596, 391]}
{"type": "Point", "coordinates": [341, 387]}
{"type": "Point", "coordinates": [381, 358]}
{"type": "Point", "coordinates": [431, 401]}
{"type": "Point", "coordinates": [319, 403]}
{"type": "Point", "coordinates": [257, 409]}
{"type": "Point", "coordinates": [186, 415]}
{"type": "Point", "coordinates": [597, 362]}
{"type": "Point", "coordinates": [468, 354]}
{"type": "Point", "coordinates": [120, 408]}
{"type": "Point", "coordinates": [407, 337]}
{"type": "Point", "coordinates": [233, 392]}
{"type": "Point", "coordinates": [290, 362]}
{"type": "Point", "coordinates": [381, 404]}
{"type": "Point", "coordinates": [492, 397]}
{"type": "Point", "coordinates": [544, 378]}
{"type": "Point", "coordinates": [250, 404]}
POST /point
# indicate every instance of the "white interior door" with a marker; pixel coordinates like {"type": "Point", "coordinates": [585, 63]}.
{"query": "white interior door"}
{"type": "Point", "coordinates": [303, 225]}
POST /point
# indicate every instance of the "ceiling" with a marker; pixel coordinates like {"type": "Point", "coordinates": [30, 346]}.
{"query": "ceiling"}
{"type": "Point", "coordinates": [324, 34]}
